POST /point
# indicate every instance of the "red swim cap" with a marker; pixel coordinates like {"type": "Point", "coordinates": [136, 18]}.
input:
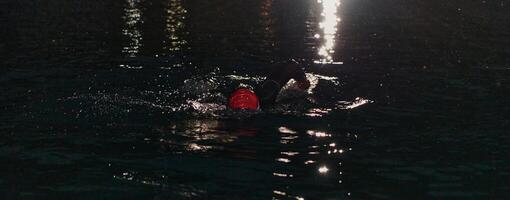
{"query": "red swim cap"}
{"type": "Point", "coordinates": [243, 98]}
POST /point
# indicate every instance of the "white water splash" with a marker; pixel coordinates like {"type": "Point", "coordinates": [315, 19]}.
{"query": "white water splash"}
{"type": "Point", "coordinates": [347, 105]}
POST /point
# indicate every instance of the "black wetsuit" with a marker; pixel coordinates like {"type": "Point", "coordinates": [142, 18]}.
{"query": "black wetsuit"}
{"type": "Point", "coordinates": [280, 75]}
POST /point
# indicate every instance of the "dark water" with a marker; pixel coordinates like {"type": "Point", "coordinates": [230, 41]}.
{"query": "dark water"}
{"type": "Point", "coordinates": [122, 100]}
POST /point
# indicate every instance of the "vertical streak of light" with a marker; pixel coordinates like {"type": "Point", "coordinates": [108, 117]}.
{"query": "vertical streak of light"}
{"type": "Point", "coordinates": [328, 25]}
{"type": "Point", "coordinates": [132, 19]}
{"type": "Point", "coordinates": [287, 136]}
{"type": "Point", "coordinates": [175, 14]}
{"type": "Point", "coordinates": [174, 25]}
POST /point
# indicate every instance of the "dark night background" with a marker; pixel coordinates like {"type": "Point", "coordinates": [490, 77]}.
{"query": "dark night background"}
{"type": "Point", "coordinates": [97, 100]}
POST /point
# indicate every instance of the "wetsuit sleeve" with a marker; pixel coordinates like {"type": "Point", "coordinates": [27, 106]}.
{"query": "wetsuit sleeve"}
{"type": "Point", "coordinates": [280, 75]}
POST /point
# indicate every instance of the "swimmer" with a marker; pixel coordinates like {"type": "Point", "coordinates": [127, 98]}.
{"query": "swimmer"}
{"type": "Point", "coordinates": [265, 94]}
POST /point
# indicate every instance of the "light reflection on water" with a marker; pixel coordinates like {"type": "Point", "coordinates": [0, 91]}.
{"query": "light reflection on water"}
{"type": "Point", "coordinates": [175, 31]}
{"type": "Point", "coordinates": [174, 25]}
{"type": "Point", "coordinates": [292, 164]}
{"type": "Point", "coordinates": [347, 105]}
{"type": "Point", "coordinates": [329, 29]}
{"type": "Point", "coordinates": [132, 20]}
{"type": "Point", "coordinates": [199, 131]}
{"type": "Point", "coordinates": [323, 147]}
{"type": "Point", "coordinates": [172, 45]}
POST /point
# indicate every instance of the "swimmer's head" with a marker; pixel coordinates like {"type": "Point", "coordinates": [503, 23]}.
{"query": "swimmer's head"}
{"type": "Point", "coordinates": [243, 99]}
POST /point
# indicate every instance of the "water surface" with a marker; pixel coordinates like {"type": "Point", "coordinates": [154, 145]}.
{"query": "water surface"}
{"type": "Point", "coordinates": [123, 100]}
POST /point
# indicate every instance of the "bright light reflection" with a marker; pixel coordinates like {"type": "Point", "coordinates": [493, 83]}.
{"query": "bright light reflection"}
{"type": "Point", "coordinates": [282, 175]}
{"type": "Point", "coordinates": [329, 30]}
{"type": "Point", "coordinates": [309, 162]}
{"type": "Point", "coordinates": [197, 132]}
{"type": "Point", "coordinates": [286, 130]}
{"type": "Point", "coordinates": [317, 112]}
{"type": "Point", "coordinates": [289, 153]}
{"type": "Point", "coordinates": [198, 148]}
{"type": "Point", "coordinates": [323, 169]}
{"type": "Point", "coordinates": [174, 24]}
{"type": "Point", "coordinates": [346, 105]}
{"type": "Point", "coordinates": [132, 19]}
{"type": "Point", "coordinates": [289, 137]}
{"type": "Point", "coordinates": [175, 30]}
{"type": "Point", "coordinates": [318, 133]}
